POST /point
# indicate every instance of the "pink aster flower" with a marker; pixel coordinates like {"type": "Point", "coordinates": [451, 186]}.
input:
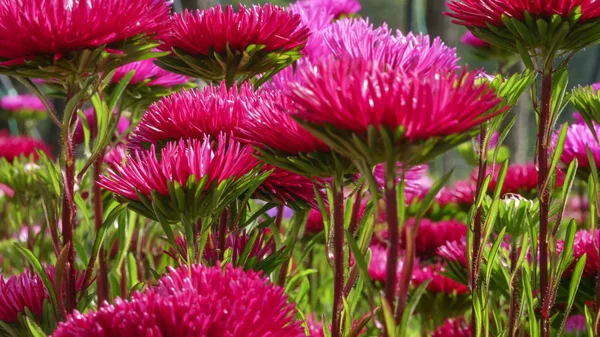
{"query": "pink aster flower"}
{"type": "Point", "coordinates": [432, 235]}
{"type": "Point", "coordinates": [287, 187]}
{"type": "Point", "coordinates": [337, 96]}
{"type": "Point", "coordinates": [579, 138]}
{"type": "Point", "coordinates": [454, 327]}
{"type": "Point", "coordinates": [455, 251]}
{"type": "Point", "coordinates": [439, 283]}
{"type": "Point", "coordinates": [462, 194]}
{"type": "Point", "coordinates": [336, 7]}
{"type": "Point", "coordinates": [358, 39]}
{"type": "Point", "coordinates": [200, 303]}
{"type": "Point", "coordinates": [576, 325]}
{"type": "Point", "coordinates": [215, 30]}
{"type": "Point", "coordinates": [471, 40]}
{"type": "Point", "coordinates": [90, 115]}
{"type": "Point", "coordinates": [378, 264]}
{"type": "Point", "coordinates": [480, 13]}
{"type": "Point", "coordinates": [584, 244]}
{"type": "Point", "coordinates": [316, 18]}
{"type": "Point", "coordinates": [22, 103]}
{"type": "Point", "coordinates": [144, 172]}
{"type": "Point", "coordinates": [520, 179]}
{"type": "Point", "coordinates": [12, 147]}
{"type": "Point", "coordinates": [116, 156]}
{"type": "Point", "coordinates": [32, 28]}
{"type": "Point", "coordinates": [146, 70]}
{"type": "Point", "coordinates": [194, 114]}
{"type": "Point", "coordinates": [314, 223]}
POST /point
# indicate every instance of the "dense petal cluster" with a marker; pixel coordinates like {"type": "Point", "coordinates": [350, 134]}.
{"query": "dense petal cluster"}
{"type": "Point", "coordinates": [378, 264]}
{"type": "Point", "coordinates": [12, 147]}
{"type": "Point", "coordinates": [586, 243]}
{"type": "Point", "coordinates": [438, 282]}
{"type": "Point", "coordinates": [520, 179]}
{"type": "Point", "coordinates": [455, 251]}
{"type": "Point", "coordinates": [579, 138]}
{"type": "Point", "coordinates": [353, 94]}
{"type": "Point", "coordinates": [576, 325]}
{"type": "Point", "coordinates": [480, 13]}
{"type": "Point", "coordinates": [455, 327]}
{"type": "Point", "coordinates": [19, 292]}
{"type": "Point", "coordinates": [287, 187]}
{"type": "Point", "coordinates": [461, 194]}
{"type": "Point", "coordinates": [336, 7]}
{"type": "Point", "coordinates": [31, 28]}
{"type": "Point", "coordinates": [357, 38]}
{"type": "Point", "coordinates": [415, 178]}
{"type": "Point", "coordinates": [146, 70]}
{"type": "Point", "coordinates": [144, 172]}
{"type": "Point", "coordinates": [194, 114]}
{"type": "Point", "coordinates": [317, 18]}
{"type": "Point", "coordinates": [203, 302]}
{"type": "Point", "coordinates": [215, 30]}
{"type": "Point", "coordinates": [432, 235]}
{"type": "Point", "coordinates": [17, 103]}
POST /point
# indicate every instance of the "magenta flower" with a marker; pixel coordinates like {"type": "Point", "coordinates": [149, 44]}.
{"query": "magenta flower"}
{"type": "Point", "coordinates": [473, 41]}
{"type": "Point", "coordinates": [356, 38]}
{"type": "Point", "coordinates": [316, 18]}
{"type": "Point", "coordinates": [454, 327]}
{"type": "Point", "coordinates": [197, 166]}
{"type": "Point", "coordinates": [150, 74]}
{"type": "Point", "coordinates": [462, 194]}
{"type": "Point", "coordinates": [378, 264]}
{"type": "Point", "coordinates": [23, 103]}
{"type": "Point", "coordinates": [337, 7]}
{"type": "Point", "coordinates": [19, 292]}
{"type": "Point", "coordinates": [432, 235]}
{"type": "Point", "coordinates": [194, 114]}
{"type": "Point", "coordinates": [438, 282]}
{"type": "Point", "coordinates": [579, 138]}
{"type": "Point", "coordinates": [416, 181]}
{"type": "Point", "coordinates": [584, 244]}
{"type": "Point", "coordinates": [520, 179]}
{"type": "Point", "coordinates": [480, 13]}
{"type": "Point", "coordinates": [455, 251]}
{"type": "Point", "coordinates": [206, 302]}
{"type": "Point", "coordinates": [116, 156]}
{"type": "Point", "coordinates": [287, 187]}
{"type": "Point", "coordinates": [31, 28]}
{"type": "Point", "coordinates": [90, 115]}
{"type": "Point", "coordinates": [314, 223]}
{"type": "Point", "coordinates": [12, 147]}
{"type": "Point", "coordinates": [576, 325]}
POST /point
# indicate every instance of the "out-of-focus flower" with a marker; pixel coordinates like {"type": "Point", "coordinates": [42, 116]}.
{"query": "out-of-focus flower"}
{"type": "Point", "coordinates": [577, 208]}
{"type": "Point", "coordinates": [287, 188]}
{"type": "Point", "coordinates": [194, 114]}
{"type": "Point", "coordinates": [432, 235]}
{"type": "Point", "coordinates": [52, 30]}
{"type": "Point", "coordinates": [358, 39]}
{"type": "Point", "coordinates": [415, 109]}
{"type": "Point", "coordinates": [438, 282]}
{"type": "Point", "coordinates": [209, 43]}
{"type": "Point", "coordinates": [261, 246]}
{"type": "Point", "coordinates": [196, 303]}
{"type": "Point", "coordinates": [150, 74]}
{"type": "Point", "coordinates": [195, 166]}
{"type": "Point", "coordinates": [454, 327]}
{"type": "Point", "coordinates": [12, 147]}
{"type": "Point", "coordinates": [23, 106]}
{"type": "Point", "coordinates": [579, 138]}
{"type": "Point", "coordinates": [116, 156]}
{"type": "Point", "coordinates": [471, 40]}
{"type": "Point", "coordinates": [314, 223]}
{"type": "Point", "coordinates": [338, 8]}
{"type": "Point", "coordinates": [520, 179]}
{"type": "Point", "coordinates": [586, 243]}
{"type": "Point", "coordinates": [415, 180]}
{"type": "Point", "coordinates": [90, 116]}
{"type": "Point", "coordinates": [455, 251]}
{"type": "Point", "coordinates": [462, 194]}
{"type": "Point", "coordinates": [576, 326]}
{"type": "Point", "coordinates": [314, 328]}
{"type": "Point", "coordinates": [378, 264]}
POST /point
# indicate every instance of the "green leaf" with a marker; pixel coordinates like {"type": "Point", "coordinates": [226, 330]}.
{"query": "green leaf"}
{"type": "Point", "coordinates": [388, 316]}
{"type": "Point", "coordinates": [560, 145]}
{"type": "Point", "coordinates": [119, 89]}
{"type": "Point", "coordinates": [410, 307]}
{"type": "Point", "coordinates": [34, 329]}
{"type": "Point", "coordinates": [574, 284]}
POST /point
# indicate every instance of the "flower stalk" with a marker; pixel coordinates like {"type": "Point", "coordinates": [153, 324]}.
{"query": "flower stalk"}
{"type": "Point", "coordinates": [338, 253]}
{"type": "Point", "coordinates": [102, 278]}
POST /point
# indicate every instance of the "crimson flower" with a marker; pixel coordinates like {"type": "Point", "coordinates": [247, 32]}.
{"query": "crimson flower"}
{"type": "Point", "coordinates": [454, 251]}
{"type": "Point", "coordinates": [314, 223]}
{"type": "Point", "coordinates": [357, 38]}
{"type": "Point", "coordinates": [438, 282]}
{"type": "Point", "coordinates": [349, 96]}
{"type": "Point", "coordinates": [195, 166]}
{"type": "Point", "coordinates": [432, 235]}
{"type": "Point", "coordinates": [462, 194]}
{"type": "Point", "coordinates": [203, 302]}
{"type": "Point", "coordinates": [454, 327]}
{"type": "Point", "coordinates": [208, 43]}
{"type": "Point", "coordinates": [193, 114]}
{"type": "Point", "coordinates": [378, 264]}
{"type": "Point", "coordinates": [12, 147]}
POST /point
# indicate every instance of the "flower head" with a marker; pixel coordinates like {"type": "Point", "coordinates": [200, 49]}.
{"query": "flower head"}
{"type": "Point", "coordinates": [150, 74]}
{"type": "Point", "coordinates": [579, 138]}
{"type": "Point", "coordinates": [378, 264]}
{"type": "Point", "coordinates": [314, 223]}
{"type": "Point", "coordinates": [576, 325]}
{"type": "Point", "coordinates": [454, 327]}
{"type": "Point", "coordinates": [432, 235]}
{"type": "Point", "coordinates": [12, 147]}
{"type": "Point", "coordinates": [19, 292]}
{"type": "Point", "coordinates": [286, 187]}
{"type": "Point", "coordinates": [520, 179]}
{"type": "Point", "coordinates": [586, 243]}
{"type": "Point", "coordinates": [116, 156]}
{"type": "Point", "coordinates": [471, 40]}
{"type": "Point", "coordinates": [461, 194]}
{"type": "Point", "coordinates": [357, 38]}
{"type": "Point", "coordinates": [455, 251]}
{"type": "Point", "coordinates": [415, 178]}
{"type": "Point", "coordinates": [337, 8]}
{"type": "Point", "coordinates": [193, 114]}
{"type": "Point", "coordinates": [438, 282]}
{"type": "Point", "coordinates": [200, 303]}
{"type": "Point", "coordinates": [28, 104]}
{"type": "Point", "coordinates": [190, 164]}
{"type": "Point", "coordinates": [316, 18]}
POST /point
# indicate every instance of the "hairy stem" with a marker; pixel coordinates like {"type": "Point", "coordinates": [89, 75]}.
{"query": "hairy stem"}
{"type": "Point", "coordinates": [102, 278]}
{"type": "Point", "coordinates": [338, 254]}
{"type": "Point", "coordinates": [514, 295]}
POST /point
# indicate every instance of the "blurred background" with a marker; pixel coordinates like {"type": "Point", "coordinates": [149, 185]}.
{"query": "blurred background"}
{"type": "Point", "coordinates": [423, 16]}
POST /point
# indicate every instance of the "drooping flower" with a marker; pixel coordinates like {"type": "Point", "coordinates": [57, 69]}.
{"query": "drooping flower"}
{"type": "Point", "coordinates": [48, 31]}
{"type": "Point", "coordinates": [23, 106]}
{"type": "Point", "coordinates": [287, 187]}
{"type": "Point", "coordinates": [337, 7]}
{"type": "Point", "coordinates": [579, 139]}
{"type": "Point", "coordinates": [347, 97]}
{"type": "Point", "coordinates": [200, 303]}
{"type": "Point", "coordinates": [196, 166]}
{"type": "Point", "coordinates": [12, 147]}
{"type": "Point", "coordinates": [438, 282]}
{"type": "Point", "coordinates": [210, 44]}
{"type": "Point", "coordinates": [90, 115]}
{"type": "Point", "coordinates": [193, 114]}
{"type": "Point", "coordinates": [358, 39]}
{"type": "Point", "coordinates": [454, 327]}
{"type": "Point", "coordinates": [471, 40]}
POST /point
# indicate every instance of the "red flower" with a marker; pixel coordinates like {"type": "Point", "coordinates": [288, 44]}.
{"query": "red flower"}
{"type": "Point", "coordinates": [353, 94]}
{"type": "Point", "coordinates": [21, 103]}
{"type": "Point", "coordinates": [207, 302]}
{"type": "Point", "coordinates": [314, 223]}
{"type": "Point", "coordinates": [455, 327]}
{"type": "Point", "coordinates": [144, 172]}
{"type": "Point", "coordinates": [439, 283]}
{"type": "Point", "coordinates": [194, 114]}
{"type": "Point", "coordinates": [12, 147]}
{"type": "Point", "coordinates": [32, 28]}
{"type": "Point", "coordinates": [483, 12]}
{"type": "Point", "coordinates": [215, 30]}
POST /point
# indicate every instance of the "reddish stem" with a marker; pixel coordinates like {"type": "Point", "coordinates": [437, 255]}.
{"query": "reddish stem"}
{"type": "Point", "coordinates": [102, 278]}
{"type": "Point", "coordinates": [338, 254]}
{"type": "Point", "coordinates": [68, 221]}
{"type": "Point", "coordinates": [407, 270]}
{"type": "Point", "coordinates": [514, 296]}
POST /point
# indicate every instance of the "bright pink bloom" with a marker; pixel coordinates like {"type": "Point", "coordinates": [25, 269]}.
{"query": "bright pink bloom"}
{"type": "Point", "coordinates": [416, 181]}
{"type": "Point", "coordinates": [146, 70]}
{"type": "Point", "coordinates": [207, 302]}
{"type": "Point", "coordinates": [378, 264]}
{"type": "Point", "coordinates": [213, 30]}
{"type": "Point", "coordinates": [12, 147]}
{"type": "Point", "coordinates": [90, 116]}
{"type": "Point", "coordinates": [576, 325]}
{"type": "Point", "coordinates": [480, 13]}
{"type": "Point", "coordinates": [455, 251]}
{"type": "Point", "coordinates": [270, 125]}
{"type": "Point", "coordinates": [358, 39]}
{"type": "Point", "coordinates": [261, 248]}
{"type": "Point", "coordinates": [579, 138]}
{"type": "Point", "coordinates": [144, 172]}
{"type": "Point", "coordinates": [336, 7]}
{"type": "Point", "coordinates": [116, 156]}
{"type": "Point", "coordinates": [194, 114]}
{"type": "Point", "coordinates": [461, 194]}
{"type": "Point", "coordinates": [454, 327]}
{"type": "Point", "coordinates": [287, 187]}
{"type": "Point", "coordinates": [317, 18]}
{"type": "Point", "coordinates": [17, 103]}
{"type": "Point", "coordinates": [584, 244]}
{"type": "Point", "coordinates": [471, 40]}
{"type": "Point", "coordinates": [432, 235]}
{"type": "Point", "coordinates": [439, 283]}
{"type": "Point", "coordinates": [32, 28]}
{"type": "Point", "coordinates": [520, 179]}
{"type": "Point", "coordinates": [353, 94]}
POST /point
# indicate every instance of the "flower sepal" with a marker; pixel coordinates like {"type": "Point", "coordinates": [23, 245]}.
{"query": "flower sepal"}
{"type": "Point", "coordinates": [587, 101]}
{"type": "Point", "coordinates": [231, 66]}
